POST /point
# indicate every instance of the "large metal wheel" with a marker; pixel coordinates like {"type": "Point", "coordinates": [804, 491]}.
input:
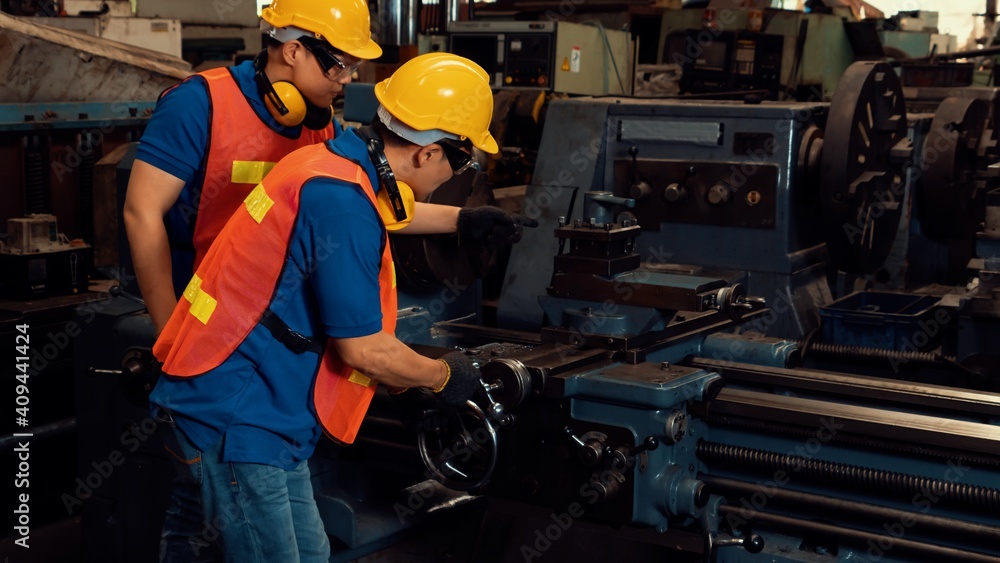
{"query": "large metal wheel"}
{"type": "Point", "coordinates": [865, 151]}
{"type": "Point", "coordinates": [952, 187]}
{"type": "Point", "coordinates": [459, 447]}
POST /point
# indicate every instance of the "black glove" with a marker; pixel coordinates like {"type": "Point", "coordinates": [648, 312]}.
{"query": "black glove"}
{"type": "Point", "coordinates": [491, 225]}
{"type": "Point", "coordinates": [414, 400]}
{"type": "Point", "coordinates": [463, 381]}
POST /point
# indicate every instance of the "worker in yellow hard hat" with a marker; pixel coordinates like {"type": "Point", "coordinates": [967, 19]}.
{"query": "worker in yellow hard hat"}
{"type": "Point", "coordinates": [213, 137]}
{"type": "Point", "coordinates": [307, 253]}
{"type": "Point", "coordinates": [210, 141]}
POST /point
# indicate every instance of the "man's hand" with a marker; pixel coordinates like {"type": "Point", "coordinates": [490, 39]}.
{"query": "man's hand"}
{"type": "Point", "coordinates": [491, 225]}
{"type": "Point", "coordinates": [462, 382]}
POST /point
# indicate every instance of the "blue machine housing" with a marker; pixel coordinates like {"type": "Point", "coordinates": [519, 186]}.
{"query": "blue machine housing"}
{"type": "Point", "coordinates": [717, 185]}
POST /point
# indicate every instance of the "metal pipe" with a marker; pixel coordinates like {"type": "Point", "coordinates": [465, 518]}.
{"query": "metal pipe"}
{"type": "Point", "coordinates": [858, 537]}
{"type": "Point", "coordinates": [398, 19]}
{"type": "Point", "coordinates": [42, 432]}
{"type": "Point", "coordinates": [953, 55]}
{"type": "Point", "coordinates": [854, 509]}
{"type": "Point", "coordinates": [454, 9]}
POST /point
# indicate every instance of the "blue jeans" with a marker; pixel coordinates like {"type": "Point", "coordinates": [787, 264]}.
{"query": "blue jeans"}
{"type": "Point", "coordinates": [253, 513]}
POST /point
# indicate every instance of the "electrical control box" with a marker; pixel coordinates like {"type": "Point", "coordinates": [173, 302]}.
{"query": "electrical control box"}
{"type": "Point", "coordinates": [560, 56]}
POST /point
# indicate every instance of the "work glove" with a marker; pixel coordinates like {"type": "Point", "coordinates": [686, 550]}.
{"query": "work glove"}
{"type": "Point", "coordinates": [463, 380]}
{"type": "Point", "coordinates": [412, 405]}
{"type": "Point", "coordinates": [491, 225]}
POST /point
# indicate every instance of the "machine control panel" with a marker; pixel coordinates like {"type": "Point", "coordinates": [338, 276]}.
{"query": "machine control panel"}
{"type": "Point", "coordinates": [734, 61]}
{"type": "Point", "coordinates": [728, 194]}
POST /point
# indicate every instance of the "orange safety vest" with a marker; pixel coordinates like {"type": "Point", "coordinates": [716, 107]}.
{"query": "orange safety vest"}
{"type": "Point", "coordinates": [234, 284]}
{"type": "Point", "coordinates": [241, 150]}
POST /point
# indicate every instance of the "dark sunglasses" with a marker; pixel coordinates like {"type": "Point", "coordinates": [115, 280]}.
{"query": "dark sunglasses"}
{"type": "Point", "coordinates": [459, 155]}
{"type": "Point", "coordinates": [332, 65]}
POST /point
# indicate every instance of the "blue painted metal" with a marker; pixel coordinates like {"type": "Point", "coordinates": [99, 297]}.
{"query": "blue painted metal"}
{"type": "Point", "coordinates": [664, 479]}
{"type": "Point", "coordinates": [753, 349]}
{"type": "Point", "coordinates": [74, 115]}
{"type": "Point", "coordinates": [585, 139]}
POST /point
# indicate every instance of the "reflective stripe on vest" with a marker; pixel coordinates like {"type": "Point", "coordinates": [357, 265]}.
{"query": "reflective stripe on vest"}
{"type": "Point", "coordinates": [242, 150]}
{"type": "Point", "coordinates": [234, 284]}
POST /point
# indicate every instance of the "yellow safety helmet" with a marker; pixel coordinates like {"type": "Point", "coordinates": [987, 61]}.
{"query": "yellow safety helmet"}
{"type": "Point", "coordinates": [439, 93]}
{"type": "Point", "coordinates": [345, 24]}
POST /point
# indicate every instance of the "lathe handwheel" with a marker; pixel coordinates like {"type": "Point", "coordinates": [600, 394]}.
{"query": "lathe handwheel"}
{"type": "Point", "coordinates": [459, 447]}
{"type": "Point", "coordinates": [951, 195]}
{"type": "Point", "coordinates": [865, 151]}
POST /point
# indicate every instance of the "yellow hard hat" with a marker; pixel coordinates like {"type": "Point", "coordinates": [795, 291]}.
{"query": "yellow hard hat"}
{"type": "Point", "coordinates": [345, 24]}
{"type": "Point", "coordinates": [440, 92]}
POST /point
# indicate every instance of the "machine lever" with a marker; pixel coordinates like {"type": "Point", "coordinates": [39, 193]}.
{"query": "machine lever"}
{"type": "Point", "coordinates": [117, 291]}
{"type": "Point", "coordinates": [576, 440]}
{"type": "Point", "coordinates": [495, 410]}
{"type": "Point", "coordinates": [752, 543]}
{"type": "Point", "coordinates": [591, 452]}
{"type": "Point", "coordinates": [626, 201]}
{"type": "Point", "coordinates": [649, 444]}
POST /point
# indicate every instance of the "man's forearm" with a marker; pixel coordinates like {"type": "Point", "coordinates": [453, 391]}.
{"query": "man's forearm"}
{"type": "Point", "coordinates": [431, 218]}
{"type": "Point", "coordinates": [151, 258]}
{"type": "Point", "coordinates": [389, 361]}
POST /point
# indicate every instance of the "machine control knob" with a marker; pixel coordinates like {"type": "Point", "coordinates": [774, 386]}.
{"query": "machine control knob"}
{"type": "Point", "coordinates": [117, 291]}
{"type": "Point", "coordinates": [719, 194]}
{"type": "Point", "coordinates": [132, 367]}
{"type": "Point", "coordinates": [649, 444]}
{"type": "Point", "coordinates": [608, 485]}
{"type": "Point", "coordinates": [592, 453]}
{"type": "Point", "coordinates": [640, 190]}
{"type": "Point", "coordinates": [674, 193]}
{"type": "Point", "coordinates": [752, 543]}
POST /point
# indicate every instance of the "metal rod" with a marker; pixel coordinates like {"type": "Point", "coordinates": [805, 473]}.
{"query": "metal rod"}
{"type": "Point", "coordinates": [857, 386]}
{"type": "Point", "coordinates": [858, 537]}
{"type": "Point", "coordinates": [953, 55]}
{"type": "Point", "coordinates": [853, 508]}
{"type": "Point", "coordinates": [889, 484]}
{"type": "Point", "coordinates": [42, 432]}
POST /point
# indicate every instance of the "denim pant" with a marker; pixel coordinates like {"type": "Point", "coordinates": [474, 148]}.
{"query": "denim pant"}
{"type": "Point", "coordinates": [252, 513]}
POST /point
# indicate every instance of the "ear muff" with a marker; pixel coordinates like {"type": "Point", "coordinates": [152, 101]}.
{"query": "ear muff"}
{"type": "Point", "coordinates": [395, 199]}
{"type": "Point", "coordinates": [387, 211]}
{"type": "Point", "coordinates": [285, 103]}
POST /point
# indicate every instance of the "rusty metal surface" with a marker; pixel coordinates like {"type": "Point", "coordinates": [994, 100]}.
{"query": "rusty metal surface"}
{"type": "Point", "coordinates": [45, 64]}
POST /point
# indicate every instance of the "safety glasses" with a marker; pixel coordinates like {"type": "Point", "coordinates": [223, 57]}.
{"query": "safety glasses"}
{"type": "Point", "coordinates": [334, 65]}
{"type": "Point", "coordinates": [459, 155]}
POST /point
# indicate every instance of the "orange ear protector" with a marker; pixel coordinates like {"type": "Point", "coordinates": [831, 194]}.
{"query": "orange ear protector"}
{"type": "Point", "coordinates": [395, 199]}
{"type": "Point", "coordinates": [285, 103]}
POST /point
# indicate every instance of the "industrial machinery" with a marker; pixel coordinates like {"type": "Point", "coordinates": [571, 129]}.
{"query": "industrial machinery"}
{"type": "Point", "coordinates": [808, 52]}
{"type": "Point", "coordinates": [38, 260]}
{"type": "Point", "coordinates": [763, 192]}
{"type": "Point", "coordinates": [627, 420]}
{"type": "Point", "coordinates": [652, 386]}
{"type": "Point", "coordinates": [561, 56]}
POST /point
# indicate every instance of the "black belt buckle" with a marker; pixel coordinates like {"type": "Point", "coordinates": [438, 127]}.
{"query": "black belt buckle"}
{"type": "Point", "coordinates": [296, 342]}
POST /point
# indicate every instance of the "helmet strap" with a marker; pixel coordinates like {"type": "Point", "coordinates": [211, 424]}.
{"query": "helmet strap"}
{"type": "Point", "coordinates": [387, 180]}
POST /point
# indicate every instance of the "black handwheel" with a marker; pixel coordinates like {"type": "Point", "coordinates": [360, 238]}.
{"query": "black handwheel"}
{"type": "Point", "coordinates": [459, 447]}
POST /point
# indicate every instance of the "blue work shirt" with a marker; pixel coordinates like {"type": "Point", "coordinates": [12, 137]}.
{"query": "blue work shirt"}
{"type": "Point", "coordinates": [259, 400]}
{"type": "Point", "coordinates": [176, 141]}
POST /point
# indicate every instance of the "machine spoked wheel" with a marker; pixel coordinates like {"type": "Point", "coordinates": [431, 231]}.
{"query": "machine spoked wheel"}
{"type": "Point", "coordinates": [865, 151]}
{"type": "Point", "coordinates": [951, 187]}
{"type": "Point", "coordinates": [459, 447]}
